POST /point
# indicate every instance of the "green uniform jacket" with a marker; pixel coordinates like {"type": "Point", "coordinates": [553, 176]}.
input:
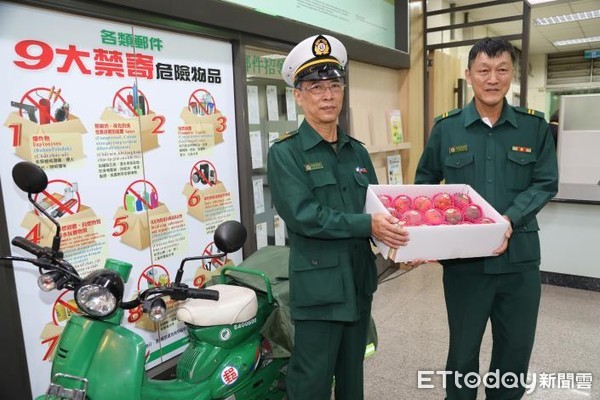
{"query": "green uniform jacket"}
{"type": "Point", "coordinates": [320, 194]}
{"type": "Point", "coordinates": [512, 165]}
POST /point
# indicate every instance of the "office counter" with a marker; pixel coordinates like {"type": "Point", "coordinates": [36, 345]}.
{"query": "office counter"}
{"type": "Point", "coordinates": [570, 241]}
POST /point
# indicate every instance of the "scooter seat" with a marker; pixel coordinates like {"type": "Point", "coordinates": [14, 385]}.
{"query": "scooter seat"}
{"type": "Point", "coordinates": [236, 304]}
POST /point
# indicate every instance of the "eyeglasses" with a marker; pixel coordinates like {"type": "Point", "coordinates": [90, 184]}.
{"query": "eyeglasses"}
{"type": "Point", "coordinates": [320, 88]}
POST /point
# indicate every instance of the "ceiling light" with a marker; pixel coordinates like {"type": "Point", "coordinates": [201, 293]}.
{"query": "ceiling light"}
{"type": "Point", "coordinates": [559, 19]}
{"type": "Point", "coordinates": [569, 42]}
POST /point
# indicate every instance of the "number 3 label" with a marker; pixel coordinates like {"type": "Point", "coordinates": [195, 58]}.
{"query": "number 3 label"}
{"type": "Point", "coordinates": [222, 124]}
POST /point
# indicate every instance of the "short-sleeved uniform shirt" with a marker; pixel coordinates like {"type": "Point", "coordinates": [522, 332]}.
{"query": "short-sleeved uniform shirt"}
{"type": "Point", "coordinates": [512, 165]}
{"type": "Point", "coordinates": [320, 193]}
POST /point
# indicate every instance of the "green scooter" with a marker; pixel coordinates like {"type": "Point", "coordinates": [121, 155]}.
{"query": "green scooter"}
{"type": "Point", "coordinates": [97, 358]}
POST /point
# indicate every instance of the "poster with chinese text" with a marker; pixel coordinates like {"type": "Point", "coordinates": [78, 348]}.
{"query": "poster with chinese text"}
{"type": "Point", "coordinates": [135, 128]}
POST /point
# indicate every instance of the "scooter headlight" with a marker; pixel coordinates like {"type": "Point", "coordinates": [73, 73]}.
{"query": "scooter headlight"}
{"type": "Point", "coordinates": [100, 293]}
{"type": "Point", "coordinates": [156, 310]}
{"type": "Point", "coordinates": [50, 280]}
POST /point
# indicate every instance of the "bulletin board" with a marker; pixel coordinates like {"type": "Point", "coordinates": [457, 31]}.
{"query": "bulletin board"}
{"type": "Point", "coordinates": [272, 112]}
{"type": "Point", "coordinates": [135, 128]}
{"type": "Point", "coordinates": [577, 148]}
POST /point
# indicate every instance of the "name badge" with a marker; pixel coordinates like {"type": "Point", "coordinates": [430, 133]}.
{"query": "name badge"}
{"type": "Point", "coordinates": [458, 149]}
{"type": "Point", "coordinates": [313, 166]}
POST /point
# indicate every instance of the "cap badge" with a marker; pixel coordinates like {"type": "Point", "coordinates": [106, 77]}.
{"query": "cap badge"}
{"type": "Point", "coordinates": [321, 47]}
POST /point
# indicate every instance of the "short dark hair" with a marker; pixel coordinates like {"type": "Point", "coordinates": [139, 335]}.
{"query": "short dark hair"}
{"type": "Point", "coordinates": [492, 47]}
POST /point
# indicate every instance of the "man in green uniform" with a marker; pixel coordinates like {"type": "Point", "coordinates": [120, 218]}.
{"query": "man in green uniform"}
{"type": "Point", "coordinates": [507, 155]}
{"type": "Point", "coordinates": [318, 178]}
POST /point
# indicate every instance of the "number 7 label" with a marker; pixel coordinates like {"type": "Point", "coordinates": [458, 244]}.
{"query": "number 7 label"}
{"type": "Point", "coordinates": [16, 128]}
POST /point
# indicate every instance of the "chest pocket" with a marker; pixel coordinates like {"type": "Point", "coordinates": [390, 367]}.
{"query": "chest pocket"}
{"type": "Point", "coordinates": [520, 169]}
{"type": "Point", "coordinates": [323, 185]}
{"type": "Point", "coordinates": [460, 168]}
{"type": "Point", "coordinates": [362, 183]}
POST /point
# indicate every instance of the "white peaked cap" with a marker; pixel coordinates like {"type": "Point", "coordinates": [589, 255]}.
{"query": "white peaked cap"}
{"type": "Point", "coordinates": [314, 51]}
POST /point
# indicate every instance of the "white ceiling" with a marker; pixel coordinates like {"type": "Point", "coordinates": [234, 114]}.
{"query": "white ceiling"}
{"type": "Point", "coordinates": [541, 37]}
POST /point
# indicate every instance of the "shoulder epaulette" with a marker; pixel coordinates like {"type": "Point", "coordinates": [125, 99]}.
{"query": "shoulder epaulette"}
{"type": "Point", "coordinates": [285, 136]}
{"type": "Point", "coordinates": [447, 114]}
{"type": "Point", "coordinates": [530, 111]}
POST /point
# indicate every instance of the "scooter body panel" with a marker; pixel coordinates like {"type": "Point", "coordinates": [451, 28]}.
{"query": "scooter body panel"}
{"type": "Point", "coordinates": [109, 356]}
{"type": "Point", "coordinates": [224, 355]}
{"type": "Point", "coordinates": [230, 336]}
{"type": "Point", "coordinates": [179, 389]}
{"type": "Point", "coordinates": [235, 369]}
{"type": "Point", "coordinates": [264, 384]}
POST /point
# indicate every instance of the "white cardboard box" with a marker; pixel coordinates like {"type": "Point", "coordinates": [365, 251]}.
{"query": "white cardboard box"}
{"type": "Point", "coordinates": [443, 241]}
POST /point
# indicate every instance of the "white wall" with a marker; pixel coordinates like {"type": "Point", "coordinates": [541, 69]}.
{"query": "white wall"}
{"type": "Point", "coordinates": [537, 97]}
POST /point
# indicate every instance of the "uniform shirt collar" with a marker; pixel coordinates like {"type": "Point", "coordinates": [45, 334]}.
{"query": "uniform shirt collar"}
{"type": "Point", "coordinates": [310, 138]}
{"type": "Point", "coordinates": [508, 115]}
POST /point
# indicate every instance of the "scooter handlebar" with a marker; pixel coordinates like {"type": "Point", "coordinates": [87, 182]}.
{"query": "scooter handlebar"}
{"type": "Point", "coordinates": [30, 247]}
{"type": "Point", "coordinates": [207, 294]}
{"type": "Point", "coordinates": [175, 292]}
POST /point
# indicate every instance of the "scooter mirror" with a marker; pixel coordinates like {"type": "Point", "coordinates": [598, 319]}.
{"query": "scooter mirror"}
{"type": "Point", "coordinates": [230, 236]}
{"type": "Point", "coordinates": [29, 177]}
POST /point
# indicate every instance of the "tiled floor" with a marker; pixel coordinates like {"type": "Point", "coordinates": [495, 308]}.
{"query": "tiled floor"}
{"type": "Point", "coordinates": [411, 321]}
